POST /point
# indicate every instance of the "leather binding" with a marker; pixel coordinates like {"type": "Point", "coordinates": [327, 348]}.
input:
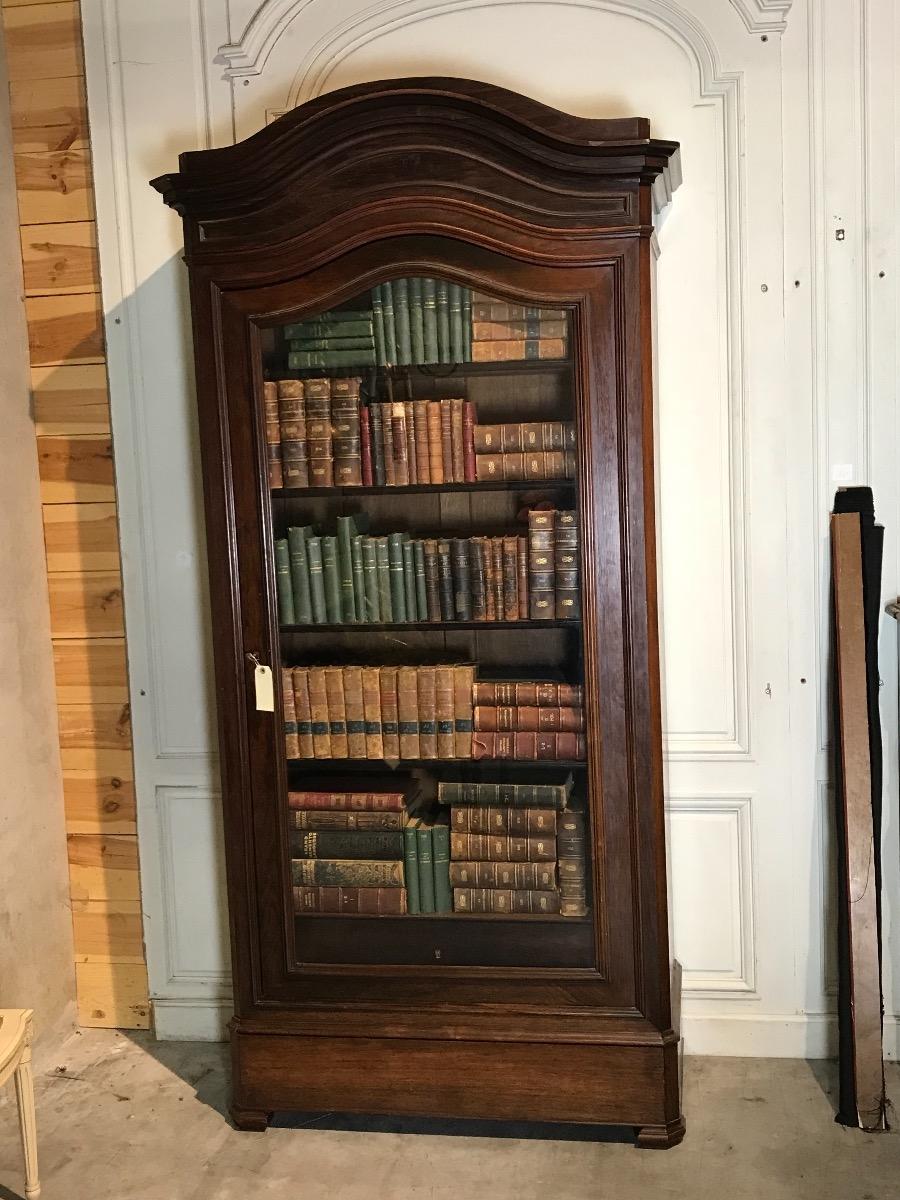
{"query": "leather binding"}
{"type": "Point", "coordinates": [371, 606]}
{"type": "Point", "coordinates": [538, 691]}
{"type": "Point", "coordinates": [312, 818]}
{"type": "Point", "coordinates": [515, 876]}
{"type": "Point", "coordinates": [283, 585]}
{"type": "Point", "coordinates": [530, 328]}
{"type": "Point", "coordinates": [383, 845]}
{"type": "Point", "coordinates": [345, 432]}
{"type": "Point", "coordinates": [337, 711]}
{"type": "Point", "coordinates": [571, 850]}
{"type": "Point", "coordinates": [318, 706]}
{"type": "Point", "coordinates": [372, 713]}
{"type": "Point", "coordinates": [395, 567]}
{"type": "Point", "coordinates": [518, 349]}
{"type": "Point", "coordinates": [511, 578]}
{"type": "Point", "coordinates": [468, 432]}
{"type": "Point", "coordinates": [355, 710]}
{"type": "Point", "coordinates": [445, 581]}
{"type": "Point", "coordinates": [289, 714]}
{"type": "Point", "coordinates": [376, 419]}
{"type": "Point", "coordinates": [387, 680]}
{"type": "Point", "coordinates": [292, 422]}
{"type": "Point", "coordinates": [444, 713]}
{"type": "Point", "coordinates": [273, 435]}
{"type": "Point", "coordinates": [316, 580]}
{"type": "Point", "coordinates": [344, 872]}
{"type": "Point", "coordinates": [501, 847]}
{"type": "Point", "coordinates": [528, 719]}
{"type": "Point", "coordinates": [524, 436]}
{"type": "Point", "coordinates": [421, 587]}
{"type": "Point", "coordinates": [365, 446]}
{"type": "Point", "coordinates": [498, 900]}
{"type": "Point", "coordinates": [551, 747]}
{"type": "Point", "coordinates": [409, 580]}
{"type": "Point", "coordinates": [486, 550]}
{"type": "Point", "coordinates": [462, 583]}
{"type": "Point", "coordinates": [506, 794]}
{"type": "Point", "coordinates": [522, 577]}
{"type": "Point", "coordinates": [542, 601]}
{"type": "Point", "coordinates": [347, 801]}
{"type": "Point", "coordinates": [521, 822]}
{"type": "Point", "coordinates": [463, 678]}
{"type": "Point", "coordinates": [435, 443]}
{"type": "Point", "coordinates": [387, 443]}
{"type": "Point", "coordinates": [476, 571]}
{"type": "Point", "coordinates": [456, 439]}
{"type": "Point", "coordinates": [426, 703]}
{"type": "Point", "coordinates": [383, 575]}
{"type": "Point", "coordinates": [408, 712]}
{"type": "Point", "coordinates": [497, 576]}
{"type": "Point", "coordinates": [412, 455]}
{"type": "Point", "coordinates": [399, 446]}
{"type": "Point", "coordinates": [565, 563]}
{"type": "Point", "coordinates": [432, 579]}
{"type": "Point", "coordinates": [304, 713]}
{"type": "Point", "coordinates": [420, 434]}
{"type": "Point", "coordinates": [447, 441]}
{"type": "Point", "coordinates": [319, 445]}
{"type": "Point", "coordinates": [518, 467]}
{"type": "Point", "coordinates": [371, 901]}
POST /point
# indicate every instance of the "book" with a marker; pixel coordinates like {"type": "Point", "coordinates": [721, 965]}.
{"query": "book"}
{"type": "Point", "coordinates": [371, 607]}
{"type": "Point", "coordinates": [486, 308]}
{"type": "Point", "coordinates": [444, 713]}
{"type": "Point", "coordinates": [371, 689]}
{"type": "Point", "coordinates": [390, 330]}
{"type": "Point", "coordinates": [447, 441]}
{"type": "Point", "coordinates": [283, 590]}
{"type": "Point", "coordinates": [435, 443]}
{"type": "Point", "coordinates": [292, 422]}
{"type": "Point", "coordinates": [499, 847]}
{"type": "Point", "coordinates": [318, 709]}
{"type": "Point", "coordinates": [467, 324]}
{"type": "Point", "coordinates": [528, 719]}
{"type": "Point", "coordinates": [318, 432]}
{"type": "Point", "coordinates": [316, 580]}
{"type": "Point", "coordinates": [442, 307]}
{"type": "Point", "coordinates": [384, 845]}
{"type": "Point", "coordinates": [523, 436]}
{"type": "Point", "coordinates": [511, 578]}
{"type": "Point", "coordinates": [387, 443]}
{"type": "Point", "coordinates": [515, 876]}
{"type": "Point", "coordinates": [400, 288]}
{"type": "Point", "coordinates": [331, 577]}
{"type": "Point", "coordinates": [554, 747]}
{"type": "Point", "coordinates": [440, 861]}
{"type": "Point", "coordinates": [456, 439]}
{"type": "Point", "coordinates": [355, 712]}
{"type": "Point", "coordinates": [517, 468]}
{"type": "Point", "coordinates": [541, 575]}
{"type": "Point", "coordinates": [493, 818]}
{"type": "Point", "coordinates": [411, 450]}
{"type": "Point", "coordinates": [462, 583]}
{"type": "Point", "coordinates": [408, 711]}
{"type": "Point", "coordinates": [429, 320]}
{"type": "Point", "coordinates": [426, 701]}
{"type": "Point", "coordinates": [304, 713]}
{"type": "Point", "coordinates": [359, 578]}
{"type": "Point", "coordinates": [375, 421]}
{"type": "Point", "coordinates": [506, 795]}
{"type": "Point", "coordinates": [476, 573]}
{"type": "Point", "coordinates": [346, 531]}
{"type": "Point", "coordinates": [538, 691]}
{"type": "Point", "coordinates": [565, 566]}
{"type": "Point", "coordinates": [463, 678]}
{"type": "Point", "coordinates": [337, 711]}
{"type": "Point", "coordinates": [383, 576]}
{"type": "Point", "coordinates": [314, 818]}
{"type": "Point", "coordinates": [486, 549]}
{"type": "Point", "coordinates": [273, 434]}
{"type": "Point", "coordinates": [468, 438]}
{"type": "Point", "coordinates": [390, 718]}
{"type": "Point", "coordinates": [399, 445]}
{"type": "Point", "coordinates": [339, 322]}
{"type": "Point", "coordinates": [289, 714]}
{"type": "Point", "coordinates": [409, 580]}
{"type": "Point", "coordinates": [432, 579]}
{"type": "Point", "coordinates": [420, 582]}
{"type": "Point", "coordinates": [352, 872]}
{"type": "Point", "coordinates": [571, 846]}
{"type": "Point", "coordinates": [303, 360]}
{"type": "Point", "coordinates": [498, 900]}
{"type": "Point", "coordinates": [337, 342]}
{"type": "Point", "coordinates": [411, 865]}
{"type": "Point", "coordinates": [424, 849]}
{"type": "Point", "coordinates": [516, 349]}
{"type": "Point", "coordinates": [533, 327]}
{"type": "Point", "coordinates": [345, 432]}
{"type": "Point", "coordinates": [420, 436]}
{"type": "Point", "coordinates": [300, 586]}
{"type": "Point", "coordinates": [417, 320]}
{"type": "Point", "coordinates": [341, 801]}
{"type": "Point", "coordinates": [373, 901]}
{"type": "Point", "coordinates": [395, 565]}
{"type": "Point", "coordinates": [497, 575]}
{"type": "Point", "coordinates": [454, 305]}
{"type": "Point", "coordinates": [365, 446]}
{"type": "Point", "coordinates": [378, 326]}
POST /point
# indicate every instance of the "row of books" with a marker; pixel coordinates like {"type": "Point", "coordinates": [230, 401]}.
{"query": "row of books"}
{"type": "Point", "coordinates": [524, 450]}
{"type": "Point", "coordinates": [422, 320]}
{"type": "Point", "coordinates": [335, 339]}
{"type": "Point", "coordinates": [425, 712]}
{"type": "Point", "coordinates": [350, 578]}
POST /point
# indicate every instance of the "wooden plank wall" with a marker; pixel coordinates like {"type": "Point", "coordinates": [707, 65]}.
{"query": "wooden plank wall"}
{"type": "Point", "coordinates": [71, 412]}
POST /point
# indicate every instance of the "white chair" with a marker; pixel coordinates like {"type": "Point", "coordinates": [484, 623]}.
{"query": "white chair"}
{"type": "Point", "coordinates": [15, 1059]}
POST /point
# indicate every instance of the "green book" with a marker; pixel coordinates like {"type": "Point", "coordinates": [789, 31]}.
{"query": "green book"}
{"type": "Point", "coordinates": [359, 586]}
{"type": "Point", "coordinates": [335, 324]}
{"type": "Point", "coordinates": [331, 574]}
{"type": "Point", "coordinates": [398, 591]}
{"type": "Point", "coordinates": [467, 323]}
{"type": "Point", "coordinates": [382, 565]}
{"type": "Point", "coordinates": [411, 866]}
{"type": "Point", "coordinates": [378, 325]}
{"type": "Point", "coordinates": [442, 306]}
{"type": "Point", "coordinates": [301, 361]}
{"type": "Point", "coordinates": [440, 853]}
{"type": "Point", "coordinates": [421, 590]}
{"type": "Point", "coordinates": [371, 608]}
{"type": "Point", "coordinates": [426, 870]}
{"type": "Point", "coordinates": [456, 322]}
{"type": "Point", "coordinates": [429, 320]}
{"type": "Point", "coordinates": [366, 342]}
{"type": "Point", "coordinates": [401, 321]}
{"type": "Point", "coordinates": [297, 537]}
{"type": "Point", "coordinates": [409, 579]}
{"type": "Point", "coordinates": [416, 320]}
{"type": "Point", "coordinates": [283, 582]}
{"type": "Point", "coordinates": [390, 332]}
{"type": "Point", "coordinates": [316, 580]}
{"type": "Point", "coordinates": [346, 530]}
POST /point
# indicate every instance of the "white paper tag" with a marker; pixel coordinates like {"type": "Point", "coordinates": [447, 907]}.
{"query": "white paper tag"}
{"type": "Point", "coordinates": [265, 693]}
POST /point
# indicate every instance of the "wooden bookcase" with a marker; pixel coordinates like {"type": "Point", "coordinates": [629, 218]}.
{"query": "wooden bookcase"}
{"type": "Point", "coordinates": [535, 228]}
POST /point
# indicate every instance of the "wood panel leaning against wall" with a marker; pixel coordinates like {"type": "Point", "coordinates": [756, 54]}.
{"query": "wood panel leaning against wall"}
{"type": "Point", "coordinates": [71, 411]}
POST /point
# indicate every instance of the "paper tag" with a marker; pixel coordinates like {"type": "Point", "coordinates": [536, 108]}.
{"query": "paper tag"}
{"type": "Point", "coordinates": [265, 693]}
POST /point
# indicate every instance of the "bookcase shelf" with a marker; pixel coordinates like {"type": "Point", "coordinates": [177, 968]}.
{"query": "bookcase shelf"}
{"type": "Point", "coordinates": [441, 371]}
{"type": "Point", "coordinates": [434, 626]}
{"type": "Point", "coordinates": [361, 764]}
{"type": "Point", "coordinates": [426, 489]}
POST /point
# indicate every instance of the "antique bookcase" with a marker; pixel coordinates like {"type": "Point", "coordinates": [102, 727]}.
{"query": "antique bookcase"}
{"type": "Point", "coordinates": [422, 327]}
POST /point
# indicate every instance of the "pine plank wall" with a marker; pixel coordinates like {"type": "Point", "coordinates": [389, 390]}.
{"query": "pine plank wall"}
{"type": "Point", "coordinates": [71, 412]}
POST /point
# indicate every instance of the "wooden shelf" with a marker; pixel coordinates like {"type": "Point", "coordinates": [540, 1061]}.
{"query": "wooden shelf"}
{"type": "Point", "coordinates": [519, 366]}
{"type": "Point", "coordinates": [389, 764]}
{"type": "Point", "coordinates": [544, 918]}
{"type": "Point", "coordinates": [432, 626]}
{"type": "Point", "coordinates": [415, 489]}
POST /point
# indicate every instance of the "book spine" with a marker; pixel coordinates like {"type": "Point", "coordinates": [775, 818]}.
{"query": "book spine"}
{"type": "Point", "coordinates": [411, 867]}
{"type": "Point", "coordinates": [283, 589]}
{"type": "Point", "coordinates": [424, 846]}
{"type": "Point", "coordinates": [346, 872]}
{"type": "Point", "coordinates": [273, 435]}
{"type": "Point", "coordinates": [517, 349]}
{"type": "Point", "coordinates": [498, 575]}
{"type": "Point", "coordinates": [346, 843]}
{"type": "Point", "coordinates": [345, 532]}
{"type": "Point", "coordinates": [331, 577]}
{"type": "Point", "coordinates": [444, 713]}
{"type": "Point", "coordinates": [456, 439]}
{"type": "Point", "coordinates": [347, 801]}
{"type": "Point", "coordinates": [429, 320]}
{"type": "Point", "coordinates": [345, 432]}
{"type": "Point", "coordinates": [511, 578]}
{"type": "Point", "coordinates": [447, 441]}
{"type": "Point", "coordinates": [416, 320]}
{"type": "Point", "coordinates": [372, 712]}
{"type": "Point", "coordinates": [499, 900]}
{"type": "Point", "coordinates": [337, 711]}
{"type": "Point", "coordinates": [540, 692]}
{"type": "Point", "coordinates": [421, 589]}
{"type": "Point", "coordinates": [354, 323]}
{"type": "Point", "coordinates": [426, 705]}
{"type": "Point", "coordinates": [515, 876]}
{"type": "Point", "coordinates": [432, 579]}
{"type": "Point", "coordinates": [395, 561]}
{"type": "Point", "coordinates": [522, 577]}
{"type": "Point", "coordinates": [468, 447]}
{"type": "Point", "coordinates": [304, 360]}
{"type": "Point", "coordinates": [409, 581]}
{"type": "Point", "coordinates": [401, 321]}
{"type": "Point", "coordinates": [548, 747]}
{"type": "Point", "coordinates": [476, 571]}
{"type": "Point", "coordinates": [289, 714]}
{"type": "Point", "coordinates": [371, 608]}
{"type": "Point", "coordinates": [454, 301]}
{"type": "Point", "coordinates": [420, 436]}
{"type": "Point", "coordinates": [399, 445]}
{"type": "Point", "coordinates": [292, 422]}
{"type": "Point", "coordinates": [565, 566]}
{"type": "Point", "coordinates": [462, 581]}
{"type": "Point", "coordinates": [486, 550]}
{"type": "Point", "coordinates": [440, 859]}
{"type": "Point", "coordinates": [356, 715]}
{"type": "Point", "coordinates": [318, 707]}
{"type": "Point", "coordinates": [378, 325]}
{"type": "Point", "coordinates": [296, 536]}
{"type": "Point", "coordinates": [491, 818]}
{"type": "Point", "coordinates": [412, 457]}
{"type": "Point", "coordinates": [365, 446]}
{"type": "Point", "coordinates": [512, 795]}
{"type": "Point", "coordinates": [390, 719]}
{"type": "Point", "coordinates": [467, 323]}
{"type": "Point", "coordinates": [463, 676]}
{"type": "Point", "coordinates": [375, 420]}
{"type": "Point", "coordinates": [501, 847]}
{"type": "Point", "coordinates": [571, 848]}
{"type": "Point", "coordinates": [359, 578]}
{"type": "Point", "coordinates": [383, 573]}
{"type": "Point", "coordinates": [435, 442]}
{"type": "Point", "coordinates": [390, 331]}
{"type": "Point", "coordinates": [445, 581]}
{"type": "Point", "coordinates": [542, 600]}
{"type": "Point", "coordinates": [442, 305]}
{"type": "Point", "coordinates": [320, 819]}
{"type": "Point", "coordinates": [316, 580]}
{"type": "Point", "coordinates": [318, 432]}
{"type": "Point", "coordinates": [387, 442]}
{"type": "Point", "coordinates": [530, 328]}
{"type": "Point", "coordinates": [528, 719]}
{"type": "Point", "coordinates": [304, 713]}
{"type": "Point", "coordinates": [374, 901]}
{"type": "Point", "coordinates": [408, 712]}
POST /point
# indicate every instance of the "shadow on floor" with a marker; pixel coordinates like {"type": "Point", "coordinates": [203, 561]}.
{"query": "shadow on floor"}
{"type": "Point", "coordinates": [825, 1073]}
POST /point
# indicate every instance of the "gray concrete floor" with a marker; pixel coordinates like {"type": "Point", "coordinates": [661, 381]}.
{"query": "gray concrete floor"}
{"type": "Point", "coordinates": [122, 1116]}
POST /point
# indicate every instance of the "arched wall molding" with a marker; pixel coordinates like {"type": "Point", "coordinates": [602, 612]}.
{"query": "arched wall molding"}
{"type": "Point", "coordinates": [763, 16]}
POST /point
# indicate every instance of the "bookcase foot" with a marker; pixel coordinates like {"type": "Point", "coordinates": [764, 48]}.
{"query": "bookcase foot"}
{"type": "Point", "coordinates": [659, 1137]}
{"type": "Point", "coordinates": [250, 1120]}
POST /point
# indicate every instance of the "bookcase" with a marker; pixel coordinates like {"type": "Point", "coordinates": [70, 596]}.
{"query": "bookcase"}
{"type": "Point", "coordinates": [422, 316]}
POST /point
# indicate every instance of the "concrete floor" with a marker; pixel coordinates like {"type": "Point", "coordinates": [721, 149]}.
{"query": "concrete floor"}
{"type": "Point", "coordinates": [120, 1116]}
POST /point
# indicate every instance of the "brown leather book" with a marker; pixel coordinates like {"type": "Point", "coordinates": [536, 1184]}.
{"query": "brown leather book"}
{"type": "Point", "coordinates": [523, 436]}
{"type": "Point", "coordinates": [541, 594]}
{"type": "Point", "coordinates": [503, 875]}
{"type": "Point", "coordinates": [318, 707]}
{"type": "Point", "coordinates": [447, 441]}
{"type": "Point", "coordinates": [289, 710]}
{"type": "Point", "coordinates": [486, 308]}
{"type": "Point", "coordinates": [456, 439]}
{"type": "Point", "coordinates": [348, 801]}
{"type": "Point", "coordinates": [565, 562]}
{"type": "Point", "coordinates": [477, 580]}
{"type": "Point", "coordinates": [420, 434]}
{"type": "Point", "coordinates": [273, 434]}
{"type": "Point", "coordinates": [408, 711]}
{"type": "Point", "coordinates": [426, 703]}
{"type": "Point", "coordinates": [387, 443]}
{"type": "Point", "coordinates": [304, 713]}
{"type": "Point", "coordinates": [511, 578]}
{"type": "Point", "coordinates": [345, 432]}
{"type": "Point", "coordinates": [372, 712]}
{"type": "Point", "coordinates": [320, 450]}
{"type": "Point", "coordinates": [538, 691]}
{"type": "Point", "coordinates": [292, 422]}
{"type": "Point", "coordinates": [468, 430]}
{"type": "Point", "coordinates": [522, 577]}
{"type": "Point", "coordinates": [444, 713]}
{"type": "Point", "coordinates": [532, 465]}
{"type": "Point", "coordinates": [551, 747]}
{"type": "Point", "coordinates": [399, 444]}
{"type": "Point", "coordinates": [432, 579]}
{"type": "Point", "coordinates": [390, 726]}
{"type": "Point", "coordinates": [325, 819]}
{"type": "Point", "coordinates": [501, 847]}
{"type": "Point", "coordinates": [355, 709]}
{"type": "Point", "coordinates": [412, 453]}
{"type": "Point", "coordinates": [463, 678]}
{"type": "Point", "coordinates": [497, 576]}
{"type": "Point", "coordinates": [486, 550]}
{"type": "Point", "coordinates": [367, 461]}
{"type": "Point", "coordinates": [435, 443]}
{"type": "Point", "coordinates": [571, 847]}
{"type": "Point", "coordinates": [518, 349]}
{"type": "Point", "coordinates": [528, 719]}
{"type": "Point", "coordinates": [375, 901]}
{"type": "Point", "coordinates": [498, 331]}
{"type": "Point", "coordinates": [522, 822]}
{"type": "Point", "coordinates": [337, 711]}
{"type": "Point", "coordinates": [500, 900]}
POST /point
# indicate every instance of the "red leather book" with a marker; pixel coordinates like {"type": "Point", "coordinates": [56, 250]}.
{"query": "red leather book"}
{"type": "Point", "coordinates": [551, 747]}
{"type": "Point", "coordinates": [365, 445]}
{"type": "Point", "coordinates": [528, 719]}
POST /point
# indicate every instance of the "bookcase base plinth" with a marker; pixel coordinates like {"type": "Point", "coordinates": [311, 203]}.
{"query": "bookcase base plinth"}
{"type": "Point", "coordinates": [660, 1137]}
{"type": "Point", "coordinates": [249, 1120]}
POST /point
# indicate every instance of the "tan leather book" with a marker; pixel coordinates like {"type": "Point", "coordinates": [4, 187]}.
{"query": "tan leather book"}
{"type": "Point", "coordinates": [387, 443]}
{"type": "Point", "coordinates": [355, 709]}
{"type": "Point", "coordinates": [319, 446]}
{"type": "Point", "coordinates": [501, 847]}
{"type": "Point", "coordinates": [372, 712]}
{"type": "Point", "coordinates": [390, 722]}
{"type": "Point", "coordinates": [337, 711]}
{"type": "Point", "coordinates": [517, 349]}
{"type": "Point", "coordinates": [447, 441]}
{"type": "Point", "coordinates": [411, 448]}
{"type": "Point", "coordinates": [420, 434]}
{"type": "Point", "coordinates": [435, 445]}
{"type": "Point", "coordinates": [304, 714]}
{"type": "Point", "coordinates": [456, 439]}
{"type": "Point", "coordinates": [503, 875]}
{"type": "Point", "coordinates": [318, 707]}
{"type": "Point", "coordinates": [426, 700]}
{"type": "Point", "coordinates": [528, 719]}
{"type": "Point", "coordinates": [445, 712]}
{"type": "Point", "coordinates": [273, 434]}
{"type": "Point", "coordinates": [463, 678]}
{"type": "Point", "coordinates": [408, 712]}
{"type": "Point", "coordinates": [291, 740]}
{"type": "Point", "coordinates": [399, 445]}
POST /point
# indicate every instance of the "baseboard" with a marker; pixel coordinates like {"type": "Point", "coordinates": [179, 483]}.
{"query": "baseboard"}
{"type": "Point", "coordinates": [191, 1020]}
{"type": "Point", "coordinates": [804, 1035]}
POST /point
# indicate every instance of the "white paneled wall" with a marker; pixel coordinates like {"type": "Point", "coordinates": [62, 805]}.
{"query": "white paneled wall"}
{"type": "Point", "coordinates": [776, 378]}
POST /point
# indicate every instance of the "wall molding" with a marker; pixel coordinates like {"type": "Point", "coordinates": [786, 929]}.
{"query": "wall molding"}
{"type": "Point", "coordinates": [763, 16]}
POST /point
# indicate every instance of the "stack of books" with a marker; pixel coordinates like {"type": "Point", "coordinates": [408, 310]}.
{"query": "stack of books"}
{"type": "Point", "coordinates": [422, 320]}
{"type": "Point", "coordinates": [347, 852]}
{"type": "Point", "coordinates": [524, 450]}
{"type": "Point", "coordinates": [418, 441]}
{"type": "Point", "coordinates": [528, 720]}
{"type": "Point", "coordinates": [426, 863]}
{"type": "Point", "coordinates": [313, 433]}
{"type": "Point", "coordinates": [350, 578]}
{"type": "Point", "coordinates": [335, 339]}
{"type": "Point", "coordinates": [504, 332]}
